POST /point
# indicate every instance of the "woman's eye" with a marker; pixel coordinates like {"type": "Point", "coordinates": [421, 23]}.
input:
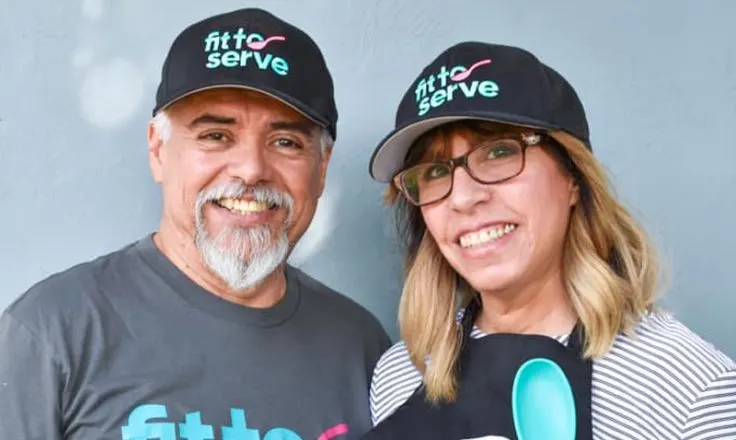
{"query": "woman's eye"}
{"type": "Point", "coordinates": [499, 152]}
{"type": "Point", "coordinates": [503, 149]}
{"type": "Point", "coordinates": [436, 172]}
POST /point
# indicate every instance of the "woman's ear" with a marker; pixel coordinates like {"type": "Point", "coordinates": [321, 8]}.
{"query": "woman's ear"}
{"type": "Point", "coordinates": [574, 191]}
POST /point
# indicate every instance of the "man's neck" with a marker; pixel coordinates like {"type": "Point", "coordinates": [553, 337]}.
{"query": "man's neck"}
{"type": "Point", "coordinates": [542, 308]}
{"type": "Point", "coordinates": [180, 249]}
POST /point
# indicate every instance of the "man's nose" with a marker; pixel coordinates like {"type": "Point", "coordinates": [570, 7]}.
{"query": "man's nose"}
{"type": "Point", "coordinates": [250, 163]}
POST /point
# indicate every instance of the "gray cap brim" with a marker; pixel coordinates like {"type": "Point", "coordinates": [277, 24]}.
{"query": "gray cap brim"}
{"type": "Point", "coordinates": [388, 158]}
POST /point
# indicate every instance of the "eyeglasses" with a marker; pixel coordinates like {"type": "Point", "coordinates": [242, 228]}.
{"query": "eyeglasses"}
{"type": "Point", "coordinates": [492, 161]}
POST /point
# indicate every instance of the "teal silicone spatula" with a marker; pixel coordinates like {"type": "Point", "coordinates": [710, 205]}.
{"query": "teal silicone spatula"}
{"type": "Point", "coordinates": [542, 402]}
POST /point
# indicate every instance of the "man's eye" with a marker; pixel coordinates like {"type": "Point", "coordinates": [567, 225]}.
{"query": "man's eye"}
{"type": "Point", "coordinates": [287, 143]}
{"type": "Point", "coordinates": [216, 136]}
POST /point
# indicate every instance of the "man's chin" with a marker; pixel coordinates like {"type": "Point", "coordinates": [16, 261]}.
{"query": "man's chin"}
{"type": "Point", "coordinates": [244, 267]}
{"type": "Point", "coordinates": [236, 238]}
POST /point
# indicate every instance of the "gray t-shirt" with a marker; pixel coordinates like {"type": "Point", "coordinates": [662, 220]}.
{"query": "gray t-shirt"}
{"type": "Point", "coordinates": [127, 347]}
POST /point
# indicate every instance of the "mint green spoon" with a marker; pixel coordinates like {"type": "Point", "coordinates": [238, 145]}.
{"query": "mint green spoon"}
{"type": "Point", "coordinates": [542, 402]}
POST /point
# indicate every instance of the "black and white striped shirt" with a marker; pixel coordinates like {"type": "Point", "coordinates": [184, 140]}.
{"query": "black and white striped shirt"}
{"type": "Point", "coordinates": [663, 382]}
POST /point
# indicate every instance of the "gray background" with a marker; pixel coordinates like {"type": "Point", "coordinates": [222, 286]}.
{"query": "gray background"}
{"type": "Point", "coordinates": [658, 79]}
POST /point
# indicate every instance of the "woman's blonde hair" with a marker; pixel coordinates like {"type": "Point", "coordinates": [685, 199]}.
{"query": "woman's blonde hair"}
{"type": "Point", "coordinates": [610, 267]}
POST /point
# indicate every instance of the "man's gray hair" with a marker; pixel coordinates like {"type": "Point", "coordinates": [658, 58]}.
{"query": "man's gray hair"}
{"type": "Point", "coordinates": [325, 140]}
{"type": "Point", "coordinates": [162, 126]}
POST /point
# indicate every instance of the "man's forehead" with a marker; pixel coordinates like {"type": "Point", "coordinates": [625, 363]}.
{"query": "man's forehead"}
{"type": "Point", "coordinates": [233, 101]}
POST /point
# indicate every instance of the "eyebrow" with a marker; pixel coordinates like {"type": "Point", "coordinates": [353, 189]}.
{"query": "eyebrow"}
{"type": "Point", "coordinates": [209, 118]}
{"type": "Point", "coordinates": [306, 128]}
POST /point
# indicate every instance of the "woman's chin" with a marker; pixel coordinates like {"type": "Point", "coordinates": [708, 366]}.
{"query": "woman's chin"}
{"type": "Point", "coordinates": [491, 279]}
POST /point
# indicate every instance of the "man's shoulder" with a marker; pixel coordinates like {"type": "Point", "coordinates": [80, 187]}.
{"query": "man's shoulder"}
{"type": "Point", "coordinates": [64, 293]}
{"type": "Point", "coordinates": [327, 301]}
{"type": "Point", "coordinates": [319, 293]}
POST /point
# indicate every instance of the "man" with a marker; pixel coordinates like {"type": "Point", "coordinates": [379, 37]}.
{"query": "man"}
{"type": "Point", "coordinates": [201, 330]}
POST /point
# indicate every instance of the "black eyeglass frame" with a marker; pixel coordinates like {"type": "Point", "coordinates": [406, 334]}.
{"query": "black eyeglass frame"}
{"type": "Point", "coordinates": [527, 139]}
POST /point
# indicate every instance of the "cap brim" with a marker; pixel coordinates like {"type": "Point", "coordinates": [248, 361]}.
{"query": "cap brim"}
{"type": "Point", "coordinates": [388, 158]}
{"type": "Point", "coordinates": [275, 94]}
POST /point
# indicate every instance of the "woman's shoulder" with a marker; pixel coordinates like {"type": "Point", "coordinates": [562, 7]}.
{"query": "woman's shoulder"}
{"type": "Point", "coordinates": [662, 339]}
{"type": "Point", "coordinates": [662, 363]}
{"type": "Point", "coordinates": [663, 360]}
{"type": "Point", "coordinates": [395, 379]}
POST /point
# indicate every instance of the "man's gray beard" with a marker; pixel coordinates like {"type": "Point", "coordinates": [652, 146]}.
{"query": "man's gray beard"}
{"type": "Point", "coordinates": [241, 257]}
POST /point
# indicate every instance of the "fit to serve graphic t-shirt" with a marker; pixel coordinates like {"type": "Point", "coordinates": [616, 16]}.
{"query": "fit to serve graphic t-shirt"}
{"type": "Point", "coordinates": [127, 347]}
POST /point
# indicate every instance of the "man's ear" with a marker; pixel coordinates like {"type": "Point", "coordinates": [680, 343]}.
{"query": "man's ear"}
{"type": "Point", "coordinates": [155, 147]}
{"type": "Point", "coordinates": [324, 161]}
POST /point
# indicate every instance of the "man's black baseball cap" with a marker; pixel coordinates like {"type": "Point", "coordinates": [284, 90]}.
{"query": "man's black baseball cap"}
{"type": "Point", "coordinates": [474, 80]}
{"type": "Point", "coordinates": [250, 49]}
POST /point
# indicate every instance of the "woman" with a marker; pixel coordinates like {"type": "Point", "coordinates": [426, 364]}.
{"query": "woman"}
{"type": "Point", "coordinates": [518, 249]}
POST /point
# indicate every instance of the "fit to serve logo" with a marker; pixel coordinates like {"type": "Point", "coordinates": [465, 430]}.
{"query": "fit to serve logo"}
{"type": "Point", "coordinates": [241, 49]}
{"type": "Point", "coordinates": [444, 86]}
{"type": "Point", "coordinates": [142, 425]}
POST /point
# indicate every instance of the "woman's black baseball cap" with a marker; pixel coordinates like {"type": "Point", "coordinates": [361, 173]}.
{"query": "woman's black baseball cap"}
{"type": "Point", "coordinates": [474, 80]}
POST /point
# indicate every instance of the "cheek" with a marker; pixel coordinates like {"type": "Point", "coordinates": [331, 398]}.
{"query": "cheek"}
{"type": "Point", "coordinates": [173, 183]}
{"type": "Point", "coordinates": [435, 217]}
{"type": "Point", "coordinates": [547, 211]}
{"type": "Point", "coordinates": [302, 182]}
{"type": "Point", "coordinates": [187, 173]}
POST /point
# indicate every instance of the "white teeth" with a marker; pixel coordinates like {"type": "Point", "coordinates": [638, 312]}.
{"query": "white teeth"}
{"type": "Point", "coordinates": [227, 203]}
{"type": "Point", "coordinates": [485, 235]}
{"type": "Point", "coordinates": [243, 206]}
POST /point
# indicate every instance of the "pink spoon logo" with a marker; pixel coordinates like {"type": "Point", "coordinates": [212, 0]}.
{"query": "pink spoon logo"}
{"type": "Point", "coordinates": [258, 45]}
{"type": "Point", "coordinates": [462, 76]}
{"type": "Point", "coordinates": [333, 432]}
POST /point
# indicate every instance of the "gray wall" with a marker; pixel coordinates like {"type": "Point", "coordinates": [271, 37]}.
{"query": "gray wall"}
{"type": "Point", "coordinates": [658, 79]}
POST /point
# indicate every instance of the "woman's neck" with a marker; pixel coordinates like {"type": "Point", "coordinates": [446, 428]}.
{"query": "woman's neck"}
{"type": "Point", "coordinates": [542, 308]}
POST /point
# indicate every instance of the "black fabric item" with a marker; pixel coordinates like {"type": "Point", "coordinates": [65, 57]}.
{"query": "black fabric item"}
{"type": "Point", "coordinates": [487, 370]}
{"type": "Point", "coordinates": [251, 49]}
{"type": "Point", "coordinates": [475, 80]}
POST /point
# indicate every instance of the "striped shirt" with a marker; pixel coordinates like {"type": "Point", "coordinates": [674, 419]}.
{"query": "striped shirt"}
{"type": "Point", "coordinates": [662, 382]}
